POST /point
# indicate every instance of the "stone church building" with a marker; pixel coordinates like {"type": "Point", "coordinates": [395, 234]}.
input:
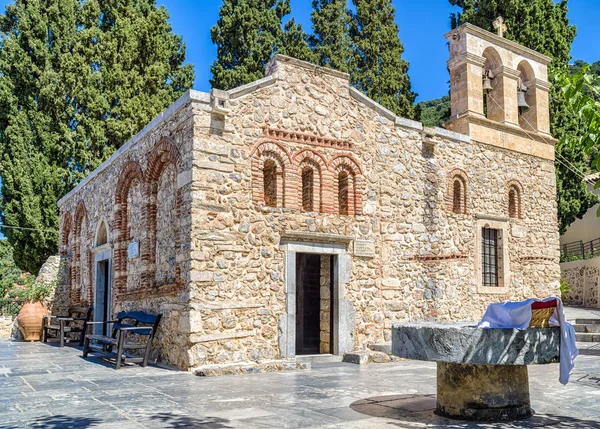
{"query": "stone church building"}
{"type": "Point", "coordinates": [294, 215]}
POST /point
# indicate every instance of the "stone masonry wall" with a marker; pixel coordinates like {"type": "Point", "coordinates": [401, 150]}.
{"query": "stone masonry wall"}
{"type": "Point", "coordinates": [151, 175]}
{"type": "Point", "coordinates": [424, 263]}
{"type": "Point", "coordinates": [583, 278]}
{"type": "Point", "coordinates": [192, 188]}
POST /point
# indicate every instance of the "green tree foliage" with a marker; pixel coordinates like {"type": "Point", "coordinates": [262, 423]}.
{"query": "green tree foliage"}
{"type": "Point", "coordinates": [542, 25]}
{"type": "Point", "coordinates": [378, 68]}
{"type": "Point", "coordinates": [581, 92]}
{"type": "Point", "coordinates": [247, 34]}
{"type": "Point", "coordinates": [295, 43]}
{"type": "Point", "coordinates": [77, 80]}
{"type": "Point", "coordinates": [10, 274]}
{"type": "Point", "coordinates": [331, 37]}
{"type": "Point", "coordinates": [578, 65]}
{"type": "Point", "coordinates": [434, 113]}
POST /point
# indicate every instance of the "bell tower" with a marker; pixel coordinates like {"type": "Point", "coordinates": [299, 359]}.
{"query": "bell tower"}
{"type": "Point", "coordinates": [499, 91]}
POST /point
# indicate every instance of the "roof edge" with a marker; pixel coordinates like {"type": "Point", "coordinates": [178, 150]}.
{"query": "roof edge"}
{"type": "Point", "coordinates": [190, 95]}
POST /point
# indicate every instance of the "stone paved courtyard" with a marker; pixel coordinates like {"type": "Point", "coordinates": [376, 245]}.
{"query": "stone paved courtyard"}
{"type": "Point", "coordinates": [42, 385]}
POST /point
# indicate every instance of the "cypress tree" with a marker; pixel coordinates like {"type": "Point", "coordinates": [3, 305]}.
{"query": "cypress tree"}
{"type": "Point", "coordinates": [247, 34]}
{"type": "Point", "coordinates": [331, 40]}
{"type": "Point", "coordinates": [542, 25]}
{"type": "Point", "coordinates": [378, 68]}
{"type": "Point", "coordinates": [77, 80]}
{"type": "Point", "coordinates": [295, 43]}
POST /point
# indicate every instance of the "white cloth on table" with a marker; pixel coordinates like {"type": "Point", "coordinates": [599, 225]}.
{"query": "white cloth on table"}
{"type": "Point", "coordinates": [517, 315]}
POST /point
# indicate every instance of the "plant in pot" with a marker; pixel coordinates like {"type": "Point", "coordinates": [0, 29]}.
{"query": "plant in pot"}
{"type": "Point", "coordinates": [30, 318]}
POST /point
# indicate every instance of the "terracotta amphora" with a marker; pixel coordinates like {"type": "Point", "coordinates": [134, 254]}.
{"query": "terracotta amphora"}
{"type": "Point", "coordinates": [30, 320]}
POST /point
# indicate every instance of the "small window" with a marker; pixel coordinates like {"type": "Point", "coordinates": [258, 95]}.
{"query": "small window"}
{"type": "Point", "coordinates": [514, 203]}
{"type": "Point", "coordinates": [459, 195]}
{"type": "Point", "coordinates": [490, 250]}
{"type": "Point", "coordinates": [270, 183]}
{"type": "Point", "coordinates": [308, 189]}
{"type": "Point", "coordinates": [102, 237]}
{"type": "Point", "coordinates": [343, 184]}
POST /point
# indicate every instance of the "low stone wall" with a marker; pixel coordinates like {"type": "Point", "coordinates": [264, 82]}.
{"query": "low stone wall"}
{"type": "Point", "coordinates": [6, 326]}
{"type": "Point", "coordinates": [584, 280]}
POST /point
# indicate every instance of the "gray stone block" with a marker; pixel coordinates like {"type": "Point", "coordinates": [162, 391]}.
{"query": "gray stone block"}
{"type": "Point", "coordinates": [465, 343]}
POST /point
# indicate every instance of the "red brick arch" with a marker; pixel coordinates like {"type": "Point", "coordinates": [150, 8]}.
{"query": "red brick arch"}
{"type": "Point", "coordinates": [163, 154]}
{"type": "Point", "coordinates": [458, 180]}
{"type": "Point", "coordinates": [129, 174]}
{"type": "Point", "coordinates": [67, 226]}
{"type": "Point", "coordinates": [349, 165]}
{"type": "Point", "coordinates": [308, 158]}
{"type": "Point", "coordinates": [516, 211]}
{"type": "Point", "coordinates": [77, 282]}
{"type": "Point", "coordinates": [286, 186]}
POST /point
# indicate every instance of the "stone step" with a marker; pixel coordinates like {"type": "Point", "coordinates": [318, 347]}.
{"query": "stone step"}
{"type": "Point", "coordinates": [320, 358]}
{"type": "Point", "coordinates": [590, 329]}
{"type": "Point", "coordinates": [384, 348]}
{"type": "Point", "coordinates": [587, 337]}
{"type": "Point", "coordinates": [587, 321]}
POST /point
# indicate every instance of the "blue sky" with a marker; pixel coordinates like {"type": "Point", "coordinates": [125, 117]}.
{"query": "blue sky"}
{"type": "Point", "coordinates": [422, 26]}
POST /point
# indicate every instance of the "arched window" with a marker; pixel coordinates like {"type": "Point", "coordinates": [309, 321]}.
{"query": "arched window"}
{"type": "Point", "coordinates": [457, 196]}
{"type": "Point", "coordinates": [343, 187]}
{"type": "Point", "coordinates": [308, 179]}
{"type": "Point", "coordinates": [102, 235]}
{"type": "Point", "coordinates": [270, 183]}
{"type": "Point", "coordinates": [458, 191]}
{"type": "Point", "coordinates": [514, 201]}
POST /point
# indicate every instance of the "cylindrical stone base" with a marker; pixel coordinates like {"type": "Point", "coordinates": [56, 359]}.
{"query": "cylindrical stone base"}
{"type": "Point", "coordinates": [482, 392]}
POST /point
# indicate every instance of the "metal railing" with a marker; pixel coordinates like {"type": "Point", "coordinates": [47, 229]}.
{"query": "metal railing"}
{"type": "Point", "coordinates": [577, 250]}
{"type": "Point", "coordinates": [10, 306]}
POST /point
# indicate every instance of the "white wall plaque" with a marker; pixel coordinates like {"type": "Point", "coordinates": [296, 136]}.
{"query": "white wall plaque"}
{"type": "Point", "coordinates": [133, 250]}
{"type": "Point", "coordinates": [364, 248]}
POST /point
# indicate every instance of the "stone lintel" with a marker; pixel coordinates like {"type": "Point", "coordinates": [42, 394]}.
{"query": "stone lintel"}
{"type": "Point", "coordinates": [502, 71]}
{"type": "Point", "coordinates": [315, 237]}
{"type": "Point", "coordinates": [465, 343]}
{"type": "Point", "coordinates": [466, 57]}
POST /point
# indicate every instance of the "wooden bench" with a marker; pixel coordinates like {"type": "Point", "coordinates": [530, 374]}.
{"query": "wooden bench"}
{"type": "Point", "coordinates": [62, 326]}
{"type": "Point", "coordinates": [140, 324]}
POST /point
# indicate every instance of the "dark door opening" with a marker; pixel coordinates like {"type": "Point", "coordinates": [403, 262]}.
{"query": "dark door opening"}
{"type": "Point", "coordinates": [102, 294]}
{"type": "Point", "coordinates": [313, 299]}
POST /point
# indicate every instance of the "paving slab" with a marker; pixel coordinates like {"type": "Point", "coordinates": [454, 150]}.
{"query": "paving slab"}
{"type": "Point", "coordinates": [42, 385]}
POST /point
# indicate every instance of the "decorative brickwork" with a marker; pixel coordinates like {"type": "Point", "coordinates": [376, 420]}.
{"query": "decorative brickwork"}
{"type": "Point", "coordinates": [163, 216]}
{"type": "Point", "coordinates": [130, 175]}
{"type": "Point", "coordinates": [458, 191]}
{"type": "Point", "coordinates": [514, 198]}
{"type": "Point", "coordinates": [348, 184]}
{"type": "Point", "coordinates": [67, 226]}
{"type": "Point", "coordinates": [80, 257]}
{"type": "Point", "coordinates": [305, 138]}
{"type": "Point", "coordinates": [274, 159]}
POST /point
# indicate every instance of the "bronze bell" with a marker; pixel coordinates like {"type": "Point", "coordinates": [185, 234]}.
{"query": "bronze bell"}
{"type": "Point", "coordinates": [487, 81]}
{"type": "Point", "coordinates": [521, 90]}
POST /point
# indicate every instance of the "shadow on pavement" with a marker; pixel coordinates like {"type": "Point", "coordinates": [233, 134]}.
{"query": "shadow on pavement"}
{"type": "Point", "coordinates": [62, 422]}
{"type": "Point", "coordinates": [417, 411]}
{"type": "Point", "coordinates": [169, 420]}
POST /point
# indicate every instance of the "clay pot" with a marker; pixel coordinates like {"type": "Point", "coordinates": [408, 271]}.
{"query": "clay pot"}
{"type": "Point", "coordinates": [30, 320]}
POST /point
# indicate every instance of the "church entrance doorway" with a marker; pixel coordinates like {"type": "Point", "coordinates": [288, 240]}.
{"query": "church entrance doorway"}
{"type": "Point", "coordinates": [313, 303]}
